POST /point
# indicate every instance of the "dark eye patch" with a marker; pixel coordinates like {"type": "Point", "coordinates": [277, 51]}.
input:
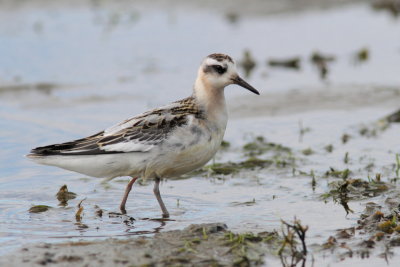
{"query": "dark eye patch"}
{"type": "Point", "coordinates": [219, 69]}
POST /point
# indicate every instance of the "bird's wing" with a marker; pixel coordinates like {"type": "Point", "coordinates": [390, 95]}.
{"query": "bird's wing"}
{"type": "Point", "coordinates": [138, 134]}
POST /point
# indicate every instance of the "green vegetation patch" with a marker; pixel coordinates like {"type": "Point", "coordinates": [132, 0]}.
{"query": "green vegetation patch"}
{"type": "Point", "coordinates": [355, 189]}
{"type": "Point", "coordinates": [39, 208]}
{"type": "Point", "coordinates": [259, 146]}
{"type": "Point", "coordinates": [63, 195]}
{"type": "Point", "coordinates": [232, 167]}
{"type": "Point", "coordinates": [344, 174]}
{"type": "Point", "coordinates": [214, 245]}
{"type": "Point", "coordinates": [378, 228]}
{"type": "Point", "coordinates": [358, 188]}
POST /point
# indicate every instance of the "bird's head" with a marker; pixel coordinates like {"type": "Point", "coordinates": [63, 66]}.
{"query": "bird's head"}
{"type": "Point", "coordinates": [219, 70]}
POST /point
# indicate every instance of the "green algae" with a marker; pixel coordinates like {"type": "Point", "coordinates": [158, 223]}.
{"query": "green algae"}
{"type": "Point", "coordinates": [225, 144]}
{"type": "Point", "coordinates": [307, 151]}
{"type": "Point", "coordinates": [63, 195]}
{"type": "Point", "coordinates": [232, 167]}
{"type": "Point", "coordinates": [344, 174]}
{"type": "Point", "coordinates": [246, 203]}
{"type": "Point", "coordinates": [377, 227]}
{"type": "Point", "coordinates": [292, 63]}
{"type": "Point", "coordinates": [247, 247]}
{"type": "Point", "coordinates": [343, 192]}
{"type": "Point", "coordinates": [357, 188]}
{"type": "Point", "coordinates": [321, 61]}
{"type": "Point", "coordinates": [259, 146]}
{"type": "Point", "coordinates": [39, 208]}
{"type": "Point", "coordinates": [362, 55]}
{"type": "Point", "coordinates": [329, 148]}
{"type": "Point", "coordinates": [394, 117]}
{"type": "Point", "coordinates": [247, 63]}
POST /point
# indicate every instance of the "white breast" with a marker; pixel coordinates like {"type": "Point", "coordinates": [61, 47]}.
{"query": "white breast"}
{"type": "Point", "coordinates": [187, 149]}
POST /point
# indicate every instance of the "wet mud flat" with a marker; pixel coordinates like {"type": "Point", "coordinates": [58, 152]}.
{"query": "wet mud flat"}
{"type": "Point", "coordinates": [196, 245]}
{"type": "Point", "coordinates": [347, 211]}
{"type": "Point", "coordinates": [214, 245]}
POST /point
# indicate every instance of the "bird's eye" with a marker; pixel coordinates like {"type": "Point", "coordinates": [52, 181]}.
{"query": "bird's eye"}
{"type": "Point", "coordinates": [219, 69]}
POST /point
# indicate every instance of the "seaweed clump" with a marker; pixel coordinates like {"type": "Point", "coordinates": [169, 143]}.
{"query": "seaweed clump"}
{"type": "Point", "coordinates": [63, 195]}
{"type": "Point", "coordinates": [232, 167]}
{"type": "Point", "coordinates": [39, 208]}
{"type": "Point", "coordinates": [259, 146]}
{"type": "Point", "coordinates": [378, 227]}
{"type": "Point", "coordinates": [354, 189]}
{"type": "Point", "coordinates": [281, 155]}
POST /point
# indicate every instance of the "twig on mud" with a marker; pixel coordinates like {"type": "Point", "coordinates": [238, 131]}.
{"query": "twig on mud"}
{"type": "Point", "coordinates": [290, 231]}
{"type": "Point", "coordinates": [78, 214]}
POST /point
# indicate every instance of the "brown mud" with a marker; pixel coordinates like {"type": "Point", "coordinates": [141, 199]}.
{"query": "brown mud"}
{"type": "Point", "coordinates": [197, 245]}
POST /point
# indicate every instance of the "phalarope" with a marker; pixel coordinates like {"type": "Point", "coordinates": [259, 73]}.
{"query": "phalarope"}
{"type": "Point", "coordinates": [164, 142]}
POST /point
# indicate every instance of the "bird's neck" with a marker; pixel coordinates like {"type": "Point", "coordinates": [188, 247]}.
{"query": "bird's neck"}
{"type": "Point", "coordinates": [210, 98]}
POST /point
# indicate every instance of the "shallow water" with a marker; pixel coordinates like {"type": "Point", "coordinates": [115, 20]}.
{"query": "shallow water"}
{"type": "Point", "coordinates": [105, 64]}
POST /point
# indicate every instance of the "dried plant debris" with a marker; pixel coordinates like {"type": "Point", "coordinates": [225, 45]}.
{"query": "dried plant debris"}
{"type": "Point", "coordinates": [362, 55]}
{"type": "Point", "coordinates": [357, 189]}
{"type": "Point", "coordinates": [317, 57]}
{"type": "Point", "coordinates": [377, 230]}
{"type": "Point", "coordinates": [291, 63]}
{"type": "Point", "coordinates": [244, 247]}
{"type": "Point", "coordinates": [98, 211]}
{"type": "Point", "coordinates": [39, 208]}
{"type": "Point", "coordinates": [375, 128]}
{"type": "Point", "coordinates": [337, 173]}
{"type": "Point", "coordinates": [303, 130]}
{"type": "Point", "coordinates": [78, 214]}
{"type": "Point", "coordinates": [345, 138]}
{"type": "Point", "coordinates": [247, 63]}
{"type": "Point", "coordinates": [321, 61]}
{"type": "Point", "coordinates": [378, 127]}
{"type": "Point", "coordinates": [63, 195]}
{"type": "Point", "coordinates": [339, 194]}
{"type": "Point", "coordinates": [246, 203]}
{"type": "Point", "coordinates": [329, 148]}
{"type": "Point", "coordinates": [45, 88]}
{"type": "Point", "coordinates": [197, 245]}
{"type": "Point", "coordinates": [307, 151]}
{"type": "Point", "coordinates": [293, 250]}
{"type": "Point", "coordinates": [394, 117]}
{"type": "Point", "coordinates": [342, 192]}
{"type": "Point", "coordinates": [373, 220]}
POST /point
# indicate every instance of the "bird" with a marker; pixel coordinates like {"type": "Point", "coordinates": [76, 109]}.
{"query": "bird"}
{"type": "Point", "coordinates": [165, 142]}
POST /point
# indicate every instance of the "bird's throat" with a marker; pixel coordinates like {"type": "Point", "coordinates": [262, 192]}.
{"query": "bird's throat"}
{"type": "Point", "coordinates": [210, 98]}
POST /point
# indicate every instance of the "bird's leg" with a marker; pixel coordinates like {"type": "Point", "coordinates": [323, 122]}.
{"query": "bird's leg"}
{"type": "Point", "coordinates": [127, 190]}
{"type": "Point", "coordinates": [156, 191]}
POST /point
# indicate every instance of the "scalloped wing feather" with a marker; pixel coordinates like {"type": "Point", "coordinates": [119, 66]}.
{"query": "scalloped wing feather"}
{"type": "Point", "coordinates": [138, 134]}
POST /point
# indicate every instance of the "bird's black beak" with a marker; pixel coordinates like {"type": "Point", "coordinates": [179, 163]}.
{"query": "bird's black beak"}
{"type": "Point", "coordinates": [239, 81]}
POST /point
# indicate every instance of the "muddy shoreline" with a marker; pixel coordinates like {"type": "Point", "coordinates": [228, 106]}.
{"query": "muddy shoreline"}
{"type": "Point", "coordinates": [197, 245]}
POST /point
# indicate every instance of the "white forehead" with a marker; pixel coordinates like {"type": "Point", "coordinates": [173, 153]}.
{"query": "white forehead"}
{"type": "Point", "coordinates": [210, 61]}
